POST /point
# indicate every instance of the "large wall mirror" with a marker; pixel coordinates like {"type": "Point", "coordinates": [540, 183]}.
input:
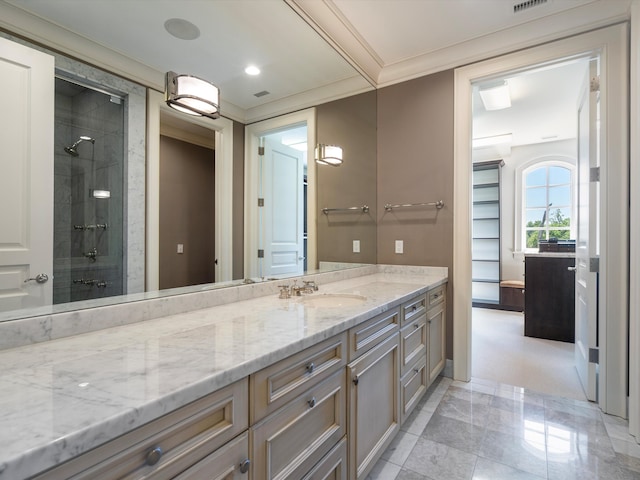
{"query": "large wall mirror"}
{"type": "Point", "coordinates": [122, 221]}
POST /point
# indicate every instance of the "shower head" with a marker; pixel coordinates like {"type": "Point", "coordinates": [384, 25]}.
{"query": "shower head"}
{"type": "Point", "coordinates": [72, 149]}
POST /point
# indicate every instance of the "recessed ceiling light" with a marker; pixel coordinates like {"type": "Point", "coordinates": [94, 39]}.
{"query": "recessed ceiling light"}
{"type": "Point", "coordinates": [182, 29]}
{"type": "Point", "coordinates": [252, 70]}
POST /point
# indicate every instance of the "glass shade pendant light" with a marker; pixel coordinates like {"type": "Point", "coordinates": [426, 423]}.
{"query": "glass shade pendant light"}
{"type": "Point", "coordinates": [329, 155]}
{"type": "Point", "coordinates": [192, 95]}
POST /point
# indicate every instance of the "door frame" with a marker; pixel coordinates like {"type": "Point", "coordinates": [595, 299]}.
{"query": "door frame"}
{"type": "Point", "coordinates": [252, 136]}
{"type": "Point", "coordinates": [222, 128]}
{"type": "Point", "coordinates": [611, 43]}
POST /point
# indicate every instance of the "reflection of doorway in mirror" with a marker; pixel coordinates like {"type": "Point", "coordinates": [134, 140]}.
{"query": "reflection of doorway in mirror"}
{"type": "Point", "coordinates": [282, 200]}
{"type": "Point", "coordinates": [187, 214]}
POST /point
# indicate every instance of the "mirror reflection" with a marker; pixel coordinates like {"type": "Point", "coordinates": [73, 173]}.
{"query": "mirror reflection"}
{"type": "Point", "coordinates": [99, 194]}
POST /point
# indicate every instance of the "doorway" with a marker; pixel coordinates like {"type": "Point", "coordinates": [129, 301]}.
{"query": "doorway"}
{"type": "Point", "coordinates": [524, 152]}
{"type": "Point", "coordinates": [187, 204]}
{"type": "Point", "coordinates": [294, 249]}
{"type": "Point", "coordinates": [611, 44]}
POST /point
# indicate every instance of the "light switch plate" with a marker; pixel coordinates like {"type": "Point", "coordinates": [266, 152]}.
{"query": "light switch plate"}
{"type": "Point", "coordinates": [399, 246]}
{"type": "Point", "coordinates": [180, 248]}
{"type": "Point", "coordinates": [356, 246]}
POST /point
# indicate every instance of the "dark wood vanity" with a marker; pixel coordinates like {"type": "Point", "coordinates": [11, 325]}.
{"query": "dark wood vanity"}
{"type": "Point", "coordinates": [549, 307]}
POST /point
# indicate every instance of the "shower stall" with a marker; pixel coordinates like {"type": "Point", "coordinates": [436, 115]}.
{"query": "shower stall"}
{"type": "Point", "coordinates": [89, 172]}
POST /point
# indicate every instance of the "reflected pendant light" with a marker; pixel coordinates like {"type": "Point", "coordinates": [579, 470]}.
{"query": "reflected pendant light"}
{"type": "Point", "coordinates": [329, 155]}
{"type": "Point", "coordinates": [192, 95]}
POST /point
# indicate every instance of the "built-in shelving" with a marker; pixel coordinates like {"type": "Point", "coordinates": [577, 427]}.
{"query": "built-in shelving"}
{"type": "Point", "coordinates": [485, 255]}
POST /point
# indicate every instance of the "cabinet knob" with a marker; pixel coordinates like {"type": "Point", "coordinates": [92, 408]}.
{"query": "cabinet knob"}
{"type": "Point", "coordinates": [310, 367]}
{"type": "Point", "coordinates": [572, 269]}
{"type": "Point", "coordinates": [244, 465]}
{"type": "Point", "coordinates": [154, 456]}
{"type": "Point", "coordinates": [414, 308]}
{"type": "Point", "coordinates": [356, 380]}
{"type": "Point", "coordinates": [415, 325]}
{"type": "Point", "coordinates": [312, 402]}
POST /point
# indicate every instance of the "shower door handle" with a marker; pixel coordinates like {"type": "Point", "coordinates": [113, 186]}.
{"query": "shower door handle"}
{"type": "Point", "coordinates": [40, 278]}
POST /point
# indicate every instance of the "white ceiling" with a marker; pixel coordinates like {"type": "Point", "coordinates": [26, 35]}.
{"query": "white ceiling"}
{"type": "Point", "coordinates": [386, 41]}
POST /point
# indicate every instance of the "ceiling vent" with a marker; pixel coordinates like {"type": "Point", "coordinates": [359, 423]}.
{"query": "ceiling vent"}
{"type": "Point", "coordinates": [261, 94]}
{"type": "Point", "coordinates": [522, 6]}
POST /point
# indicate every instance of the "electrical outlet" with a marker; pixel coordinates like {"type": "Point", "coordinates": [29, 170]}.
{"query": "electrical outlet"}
{"type": "Point", "coordinates": [180, 248]}
{"type": "Point", "coordinates": [356, 246]}
{"type": "Point", "coordinates": [399, 246]}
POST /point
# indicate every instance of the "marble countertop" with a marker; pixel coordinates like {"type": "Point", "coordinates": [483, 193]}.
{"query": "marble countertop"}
{"type": "Point", "coordinates": [63, 397]}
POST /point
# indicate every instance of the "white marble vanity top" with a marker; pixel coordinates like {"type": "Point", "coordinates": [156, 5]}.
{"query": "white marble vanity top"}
{"type": "Point", "coordinates": [63, 397]}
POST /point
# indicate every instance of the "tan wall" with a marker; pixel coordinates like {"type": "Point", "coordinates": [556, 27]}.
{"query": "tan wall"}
{"type": "Point", "coordinates": [186, 213]}
{"type": "Point", "coordinates": [351, 124]}
{"type": "Point", "coordinates": [415, 165]}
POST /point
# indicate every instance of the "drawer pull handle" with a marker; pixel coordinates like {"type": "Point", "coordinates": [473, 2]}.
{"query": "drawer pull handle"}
{"type": "Point", "coordinates": [244, 465]}
{"type": "Point", "coordinates": [154, 456]}
{"type": "Point", "coordinates": [356, 380]}
{"type": "Point", "coordinates": [416, 325]}
{"type": "Point", "coordinates": [311, 367]}
{"type": "Point", "coordinates": [312, 402]}
{"type": "Point", "coordinates": [417, 370]}
{"type": "Point", "coordinates": [414, 308]}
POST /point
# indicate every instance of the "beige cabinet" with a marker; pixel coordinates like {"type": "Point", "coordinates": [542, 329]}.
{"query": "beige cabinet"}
{"type": "Point", "coordinates": [374, 404]}
{"type": "Point", "coordinates": [333, 466]}
{"type": "Point", "coordinates": [168, 446]}
{"type": "Point", "coordinates": [298, 412]}
{"type": "Point", "coordinates": [436, 331]}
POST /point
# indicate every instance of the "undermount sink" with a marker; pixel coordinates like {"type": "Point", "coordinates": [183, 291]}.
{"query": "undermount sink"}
{"type": "Point", "coordinates": [333, 300]}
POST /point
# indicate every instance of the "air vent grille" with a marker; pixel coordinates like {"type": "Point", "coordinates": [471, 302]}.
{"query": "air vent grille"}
{"type": "Point", "coordinates": [261, 94]}
{"type": "Point", "coordinates": [528, 4]}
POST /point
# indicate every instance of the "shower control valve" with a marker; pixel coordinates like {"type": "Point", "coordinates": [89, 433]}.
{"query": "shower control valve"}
{"type": "Point", "coordinates": [92, 254]}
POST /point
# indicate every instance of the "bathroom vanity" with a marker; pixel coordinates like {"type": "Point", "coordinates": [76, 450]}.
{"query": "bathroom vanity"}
{"type": "Point", "coordinates": [255, 387]}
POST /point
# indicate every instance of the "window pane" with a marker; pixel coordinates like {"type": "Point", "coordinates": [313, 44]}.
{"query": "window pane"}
{"type": "Point", "coordinates": [532, 237]}
{"type": "Point", "coordinates": [560, 196]}
{"type": "Point", "coordinates": [485, 194]}
{"type": "Point", "coordinates": [537, 177]}
{"type": "Point", "coordinates": [534, 217]}
{"type": "Point", "coordinates": [560, 234]}
{"type": "Point", "coordinates": [559, 175]}
{"type": "Point", "coordinates": [536, 197]}
{"type": "Point", "coordinates": [559, 217]}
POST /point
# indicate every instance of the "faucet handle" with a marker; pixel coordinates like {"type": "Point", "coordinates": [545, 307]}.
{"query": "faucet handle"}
{"type": "Point", "coordinates": [284, 291]}
{"type": "Point", "coordinates": [311, 284]}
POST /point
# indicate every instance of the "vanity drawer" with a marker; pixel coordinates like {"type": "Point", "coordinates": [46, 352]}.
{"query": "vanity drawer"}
{"type": "Point", "coordinates": [413, 342]}
{"type": "Point", "coordinates": [333, 466]}
{"type": "Point", "coordinates": [184, 437]}
{"type": "Point", "coordinates": [414, 308]}
{"type": "Point", "coordinates": [281, 382]}
{"type": "Point", "coordinates": [436, 296]}
{"type": "Point", "coordinates": [413, 385]}
{"type": "Point", "coordinates": [367, 335]}
{"type": "Point", "coordinates": [288, 443]}
{"type": "Point", "coordinates": [229, 462]}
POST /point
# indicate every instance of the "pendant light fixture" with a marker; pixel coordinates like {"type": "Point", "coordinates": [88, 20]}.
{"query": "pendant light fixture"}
{"type": "Point", "coordinates": [329, 155]}
{"type": "Point", "coordinates": [192, 95]}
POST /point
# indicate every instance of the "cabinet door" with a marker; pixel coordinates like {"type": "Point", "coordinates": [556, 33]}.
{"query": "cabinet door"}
{"type": "Point", "coordinates": [436, 324]}
{"type": "Point", "coordinates": [229, 462]}
{"type": "Point", "coordinates": [374, 405]}
{"type": "Point", "coordinates": [333, 466]}
{"type": "Point", "coordinates": [289, 442]}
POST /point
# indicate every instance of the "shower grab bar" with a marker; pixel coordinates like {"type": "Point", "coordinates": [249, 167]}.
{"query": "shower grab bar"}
{"type": "Point", "coordinates": [363, 209]}
{"type": "Point", "coordinates": [439, 204]}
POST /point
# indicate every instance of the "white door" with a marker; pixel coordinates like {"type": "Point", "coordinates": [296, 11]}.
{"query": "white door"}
{"type": "Point", "coordinates": [282, 216]}
{"type": "Point", "coordinates": [587, 233]}
{"type": "Point", "coordinates": [26, 176]}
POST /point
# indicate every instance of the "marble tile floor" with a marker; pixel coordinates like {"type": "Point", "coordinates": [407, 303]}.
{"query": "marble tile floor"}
{"type": "Point", "coordinates": [487, 430]}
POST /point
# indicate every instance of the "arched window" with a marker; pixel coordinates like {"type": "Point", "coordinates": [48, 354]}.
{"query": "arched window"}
{"type": "Point", "coordinates": [547, 203]}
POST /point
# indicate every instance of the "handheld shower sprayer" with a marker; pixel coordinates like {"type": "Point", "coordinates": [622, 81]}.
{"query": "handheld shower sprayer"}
{"type": "Point", "coordinates": [72, 150]}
